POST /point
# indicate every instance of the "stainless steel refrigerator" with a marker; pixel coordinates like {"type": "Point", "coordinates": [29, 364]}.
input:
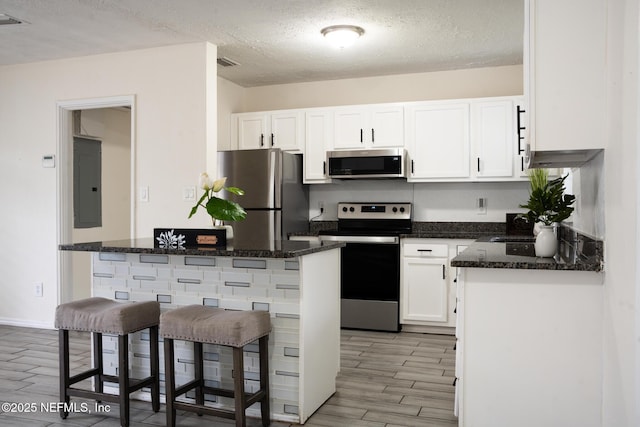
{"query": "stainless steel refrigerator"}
{"type": "Point", "coordinates": [276, 200]}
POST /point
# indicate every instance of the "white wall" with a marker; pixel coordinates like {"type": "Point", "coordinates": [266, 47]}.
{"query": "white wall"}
{"type": "Point", "coordinates": [173, 120]}
{"type": "Point", "coordinates": [621, 382]}
{"type": "Point", "coordinates": [230, 100]}
{"type": "Point", "coordinates": [471, 83]}
{"type": "Point", "coordinates": [431, 202]}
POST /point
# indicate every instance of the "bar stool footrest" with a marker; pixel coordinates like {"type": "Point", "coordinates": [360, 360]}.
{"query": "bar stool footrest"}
{"type": "Point", "coordinates": [199, 409]}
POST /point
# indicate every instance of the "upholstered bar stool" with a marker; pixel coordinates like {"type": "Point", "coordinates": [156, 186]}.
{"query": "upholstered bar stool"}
{"type": "Point", "coordinates": [103, 316]}
{"type": "Point", "coordinates": [200, 324]}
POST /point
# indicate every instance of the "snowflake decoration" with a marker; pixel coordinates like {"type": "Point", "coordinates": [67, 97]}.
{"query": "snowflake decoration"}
{"type": "Point", "coordinates": [168, 240]}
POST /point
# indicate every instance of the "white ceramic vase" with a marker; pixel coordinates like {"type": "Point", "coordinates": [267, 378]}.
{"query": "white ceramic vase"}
{"type": "Point", "coordinates": [546, 242]}
{"type": "Point", "coordinates": [218, 225]}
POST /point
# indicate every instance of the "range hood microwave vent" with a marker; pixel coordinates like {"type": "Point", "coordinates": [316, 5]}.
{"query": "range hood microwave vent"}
{"type": "Point", "coordinates": [561, 158]}
{"type": "Point", "coordinates": [367, 163]}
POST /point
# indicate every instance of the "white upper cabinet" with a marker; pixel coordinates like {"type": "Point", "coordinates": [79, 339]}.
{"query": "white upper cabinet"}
{"type": "Point", "coordinates": [437, 140]}
{"type": "Point", "coordinates": [565, 55]}
{"type": "Point", "coordinates": [494, 138]}
{"type": "Point", "coordinates": [252, 129]}
{"type": "Point", "coordinates": [318, 140]}
{"type": "Point", "coordinates": [277, 129]}
{"type": "Point", "coordinates": [373, 126]}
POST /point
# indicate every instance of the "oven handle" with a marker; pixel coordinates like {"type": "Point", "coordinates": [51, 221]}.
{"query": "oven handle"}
{"type": "Point", "coordinates": [384, 240]}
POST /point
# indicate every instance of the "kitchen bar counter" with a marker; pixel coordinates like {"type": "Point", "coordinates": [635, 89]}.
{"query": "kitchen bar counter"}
{"type": "Point", "coordinates": [276, 249]}
{"type": "Point", "coordinates": [298, 283]}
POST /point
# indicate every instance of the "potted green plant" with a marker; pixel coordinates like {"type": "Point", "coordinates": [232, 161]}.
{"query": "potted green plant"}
{"type": "Point", "coordinates": [219, 209]}
{"type": "Point", "coordinates": [547, 205]}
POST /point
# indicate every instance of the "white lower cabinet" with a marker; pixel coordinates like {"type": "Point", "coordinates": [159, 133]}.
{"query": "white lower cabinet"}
{"type": "Point", "coordinates": [427, 291]}
{"type": "Point", "coordinates": [529, 349]}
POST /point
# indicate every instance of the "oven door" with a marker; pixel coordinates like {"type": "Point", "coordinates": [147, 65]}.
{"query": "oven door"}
{"type": "Point", "coordinates": [370, 282]}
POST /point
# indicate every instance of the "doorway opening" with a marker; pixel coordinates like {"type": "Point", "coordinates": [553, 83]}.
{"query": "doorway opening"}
{"type": "Point", "coordinates": [90, 131]}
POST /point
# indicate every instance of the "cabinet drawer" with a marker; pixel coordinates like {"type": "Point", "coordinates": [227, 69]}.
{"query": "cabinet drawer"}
{"type": "Point", "coordinates": [427, 250]}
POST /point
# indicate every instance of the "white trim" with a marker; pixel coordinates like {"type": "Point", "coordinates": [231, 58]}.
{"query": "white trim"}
{"type": "Point", "coordinates": [6, 321]}
{"type": "Point", "coordinates": [63, 181]}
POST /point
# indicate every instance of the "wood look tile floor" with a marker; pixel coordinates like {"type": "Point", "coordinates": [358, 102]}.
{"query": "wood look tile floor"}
{"type": "Point", "coordinates": [386, 380]}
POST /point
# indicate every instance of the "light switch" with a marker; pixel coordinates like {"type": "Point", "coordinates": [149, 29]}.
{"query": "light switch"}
{"type": "Point", "coordinates": [189, 193]}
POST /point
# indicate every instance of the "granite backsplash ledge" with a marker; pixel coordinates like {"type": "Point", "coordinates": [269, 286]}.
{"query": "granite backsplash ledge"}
{"type": "Point", "coordinates": [462, 230]}
{"type": "Point", "coordinates": [421, 229]}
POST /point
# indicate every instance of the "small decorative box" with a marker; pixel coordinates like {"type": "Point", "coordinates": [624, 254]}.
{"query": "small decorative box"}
{"type": "Point", "coordinates": [178, 238]}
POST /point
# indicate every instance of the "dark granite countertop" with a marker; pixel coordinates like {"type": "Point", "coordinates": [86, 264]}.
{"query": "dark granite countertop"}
{"type": "Point", "coordinates": [428, 230]}
{"type": "Point", "coordinates": [277, 248]}
{"type": "Point", "coordinates": [576, 252]}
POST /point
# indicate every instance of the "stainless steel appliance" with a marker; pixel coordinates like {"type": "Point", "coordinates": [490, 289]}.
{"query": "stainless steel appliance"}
{"type": "Point", "coordinates": [276, 201]}
{"type": "Point", "coordinates": [377, 163]}
{"type": "Point", "coordinates": [370, 262]}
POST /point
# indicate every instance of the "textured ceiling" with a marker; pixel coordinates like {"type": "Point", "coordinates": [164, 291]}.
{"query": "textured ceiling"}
{"type": "Point", "coordinates": [275, 41]}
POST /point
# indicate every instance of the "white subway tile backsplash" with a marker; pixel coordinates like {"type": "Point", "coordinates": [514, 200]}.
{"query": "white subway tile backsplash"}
{"type": "Point", "coordinates": [249, 263]}
{"type": "Point", "coordinates": [154, 259]}
{"type": "Point", "coordinates": [202, 261]}
{"type": "Point", "coordinates": [115, 257]}
{"type": "Point", "coordinates": [178, 280]}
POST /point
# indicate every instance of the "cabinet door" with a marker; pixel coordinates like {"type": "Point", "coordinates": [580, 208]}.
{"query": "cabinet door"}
{"type": "Point", "coordinates": [493, 138]}
{"type": "Point", "coordinates": [386, 127]}
{"type": "Point", "coordinates": [438, 140]}
{"type": "Point", "coordinates": [349, 127]}
{"type": "Point", "coordinates": [425, 292]}
{"type": "Point", "coordinates": [287, 131]}
{"type": "Point", "coordinates": [252, 130]}
{"type": "Point", "coordinates": [565, 68]}
{"type": "Point", "coordinates": [318, 136]}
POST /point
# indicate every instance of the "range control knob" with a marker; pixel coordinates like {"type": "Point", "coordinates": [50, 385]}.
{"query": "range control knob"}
{"type": "Point", "coordinates": [394, 209]}
{"type": "Point", "coordinates": [352, 209]}
{"type": "Point", "coordinates": [402, 210]}
{"type": "Point", "coordinates": [344, 209]}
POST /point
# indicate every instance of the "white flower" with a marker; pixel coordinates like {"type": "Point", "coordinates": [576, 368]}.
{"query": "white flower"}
{"type": "Point", "coordinates": [205, 181]}
{"type": "Point", "coordinates": [218, 184]}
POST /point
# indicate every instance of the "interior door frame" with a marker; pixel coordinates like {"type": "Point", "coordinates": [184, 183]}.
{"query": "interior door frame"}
{"type": "Point", "coordinates": [64, 177]}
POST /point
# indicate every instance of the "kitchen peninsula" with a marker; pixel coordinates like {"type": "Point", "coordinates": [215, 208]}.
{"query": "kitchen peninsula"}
{"type": "Point", "coordinates": [529, 333]}
{"type": "Point", "coordinates": [297, 282]}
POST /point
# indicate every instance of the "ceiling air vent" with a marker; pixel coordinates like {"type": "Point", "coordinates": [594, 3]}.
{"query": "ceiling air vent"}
{"type": "Point", "coordinates": [8, 20]}
{"type": "Point", "coordinates": [226, 62]}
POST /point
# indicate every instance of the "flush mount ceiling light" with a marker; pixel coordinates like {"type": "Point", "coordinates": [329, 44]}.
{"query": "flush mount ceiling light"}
{"type": "Point", "coordinates": [342, 36]}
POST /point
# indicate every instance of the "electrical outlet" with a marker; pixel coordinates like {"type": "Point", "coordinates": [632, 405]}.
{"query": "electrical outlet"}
{"type": "Point", "coordinates": [37, 289]}
{"type": "Point", "coordinates": [143, 194]}
{"type": "Point", "coordinates": [481, 205]}
{"type": "Point", "coordinates": [321, 206]}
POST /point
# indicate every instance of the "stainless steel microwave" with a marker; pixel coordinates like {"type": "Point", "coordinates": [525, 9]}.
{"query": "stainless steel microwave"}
{"type": "Point", "coordinates": [376, 163]}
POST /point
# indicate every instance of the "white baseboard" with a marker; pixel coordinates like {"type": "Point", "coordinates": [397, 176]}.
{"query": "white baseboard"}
{"type": "Point", "coordinates": [421, 329]}
{"type": "Point", "coordinates": [26, 323]}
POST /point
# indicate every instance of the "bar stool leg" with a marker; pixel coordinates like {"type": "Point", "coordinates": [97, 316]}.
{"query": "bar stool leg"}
{"type": "Point", "coordinates": [199, 373]}
{"type": "Point", "coordinates": [265, 410]}
{"type": "Point", "coordinates": [63, 348]}
{"type": "Point", "coordinates": [170, 382]}
{"type": "Point", "coordinates": [238, 381]}
{"type": "Point", "coordinates": [123, 378]}
{"type": "Point", "coordinates": [155, 368]}
{"type": "Point", "coordinates": [97, 361]}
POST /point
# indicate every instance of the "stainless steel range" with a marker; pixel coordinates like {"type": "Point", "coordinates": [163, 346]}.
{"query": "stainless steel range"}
{"type": "Point", "coordinates": [370, 267]}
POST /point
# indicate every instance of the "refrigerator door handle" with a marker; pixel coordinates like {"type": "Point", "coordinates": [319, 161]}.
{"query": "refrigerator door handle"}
{"type": "Point", "coordinates": [275, 176]}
